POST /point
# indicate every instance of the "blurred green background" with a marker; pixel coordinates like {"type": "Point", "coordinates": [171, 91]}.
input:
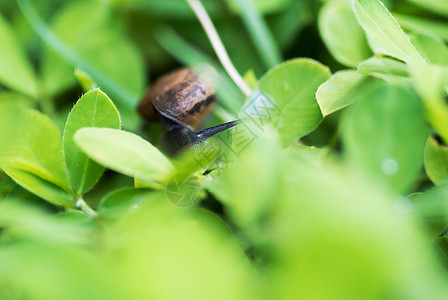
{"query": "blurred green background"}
{"type": "Point", "coordinates": [324, 203]}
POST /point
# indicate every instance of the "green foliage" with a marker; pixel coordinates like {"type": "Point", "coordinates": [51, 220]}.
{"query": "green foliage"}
{"type": "Point", "coordinates": [124, 152]}
{"type": "Point", "coordinates": [94, 109]}
{"type": "Point", "coordinates": [383, 32]}
{"type": "Point", "coordinates": [436, 161]}
{"type": "Point", "coordinates": [293, 86]}
{"type": "Point", "coordinates": [342, 34]}
{"type": "Point", "coordinates": [384, 134]}
{"type": "Point", "coordinates": [342, 89]}
{"type": "Point", "coordinates": [15, 70]}
{"type": "Point", "coordinates": [331, 179]}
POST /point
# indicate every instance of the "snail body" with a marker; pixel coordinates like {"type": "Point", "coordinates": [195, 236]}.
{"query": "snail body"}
{"type": "Point", "coordinates": [180, 100]}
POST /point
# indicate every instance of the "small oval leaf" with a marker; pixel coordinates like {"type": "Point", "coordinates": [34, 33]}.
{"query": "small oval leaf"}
{"type": "Point", "coordinates": [94, 109]}
{"type": "Point", "coordinates": [342, 34]}
{"type": "Point", "coordinates": [436, 161]}
{"type": "Point", "coordinates": [383, 32]}
{"type": "Point", "coordinates": [292, 86]}
{"type": "Point", "coordinates": [124, 152]}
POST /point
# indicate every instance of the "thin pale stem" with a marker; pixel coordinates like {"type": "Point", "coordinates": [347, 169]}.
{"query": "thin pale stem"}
{"type": "Point", "coordinates": [82, 205]}
{"type": "Point", "coordinates": [217, 44]}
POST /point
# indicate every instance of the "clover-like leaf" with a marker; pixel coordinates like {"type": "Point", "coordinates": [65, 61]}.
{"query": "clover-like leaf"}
{"type": "Point", "coordinates": [292, 86]}
{"type": "Point", "coordinates": [384, 135]}
{"type": "Point", "coordinates": [432, 49]}
{"type": "Point", "coordinates": [124, 152]}
{"type": "Point", "coordinates": [94, 109]}
{"type": "Point", "coordinates": [342, 89]}
{"type": "Point", "coordinates": [342, 34]}
{"type": "Point", "coordinates": [436, 161]}
{"type": "Point", "coordinates": [383, 32]}
{"type": "Point", "coordinates": [38, 148]}
{"type": "Point", "coordinates": [37, 185]}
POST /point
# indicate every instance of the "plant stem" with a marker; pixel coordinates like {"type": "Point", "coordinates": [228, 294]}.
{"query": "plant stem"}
{"type": "Point", "coordinates": [216, 42]}
{"type": "Point", "coordinates": [81, 204]}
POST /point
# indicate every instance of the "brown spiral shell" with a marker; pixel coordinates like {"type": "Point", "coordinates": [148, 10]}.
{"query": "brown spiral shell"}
{"type": "Point", "coordinates": [185, 96]}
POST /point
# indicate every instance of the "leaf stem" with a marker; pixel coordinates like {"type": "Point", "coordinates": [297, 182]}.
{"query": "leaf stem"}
{"type": "Point", "coordinates": [81, 204]}
{"type": "Point", "coordinates": [217, 44]}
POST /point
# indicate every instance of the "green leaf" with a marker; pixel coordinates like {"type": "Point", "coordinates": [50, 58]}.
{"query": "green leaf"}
{"type": "Point", "coordinates": [85, 80]}
{"type": "Point", "coordinates": [430, 82]}
{"type": "Point", "coordinates": [383, 65]}
{"type": "Point", "coordinates": [437, 6]}
{"type": "Point", "coordinates": [342, 34]}
{"type": "Point", "coordinates": [15, 69]}
{"type": "Point", "coordinates": [426, 26]}
{"type": "Point", "coordinates": [124, 152]}
{"type": "Point", "coordinates": [292, 87]}
{"type": "Point", "coordinates": [37, 185]}
{"type": "Point", "coordinates": [385, 68]}
{"type": "Point", "coordinates": [436, 161]}
{"type": "Point", "coordinates": [94, 109]}
{"type": "Point", "coordinates": [383, 32]}
{"type": "Point", "coordinates": [342, 89]}
{"type": "Point", "coordinates": [38, 149]}
{"type": "Point", "coordinates": [432, 49]}
{"type": "Point", "coordinates": [431, 209]}
{"type": "Point", "coordinates": [247, 194]}
{"type": "Point", "coordinates": [384, 135]}
{"type": "Point", "coordinates": [124, 200]}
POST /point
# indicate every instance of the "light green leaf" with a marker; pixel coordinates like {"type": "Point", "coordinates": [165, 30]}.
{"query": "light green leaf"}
{"type": "Point", "coordinates": [245, 193]}
{"type": "Point", "coordinates": [94, 109]}
{"type": "Point", "coordinates": [385, 68]}
{"type": "Point", "coordinates": [38, 149]}
{"type": "Point", "coordinates": [436, 161]}
{"type": "Point", "coordinates": [430, 82]}
{"type": "Point", "coordinates": [383, 32]}
{"type": "Point", "coordinates": [292, 87]}
{"type": "Point", "coordinates": [342, 34]}
{"type": "Point", "coordinates": [342, 89]}
{"type": "Point", "coordinates": [432, 49]}
{"type": "Point", "coordinates": [37, 185]}
{"type": "Point", "coordinates": [124, 152]}
{"type": "Point", "coordinates": [437, 6]}
{"type": "Point", "coordinates": [85, 80]}
{"type": "Point", "coordinates": [383, 65]}
{"type": "Point", "coordinates": [250, 78]}
{"type": "Point", "coordinates": [426, 26]}
{"type": "Point", "coordinates": [384, 135]}
{"type": "Point", "coordinates": [15, 69]}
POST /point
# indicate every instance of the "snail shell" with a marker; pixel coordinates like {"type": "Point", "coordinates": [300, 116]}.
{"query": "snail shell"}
{"type": "Point", "coordinates": [184, 96]}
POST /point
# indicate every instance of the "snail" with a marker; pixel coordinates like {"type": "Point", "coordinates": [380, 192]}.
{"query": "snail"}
{"type": "Point", "coordinates": [180, 100]}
